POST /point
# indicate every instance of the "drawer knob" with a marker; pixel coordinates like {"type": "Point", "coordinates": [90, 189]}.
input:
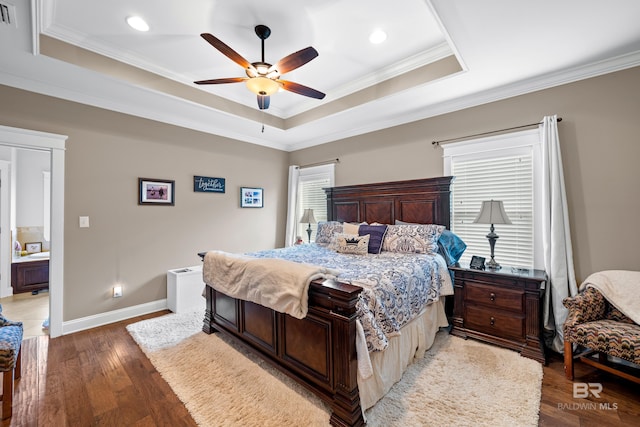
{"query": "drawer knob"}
{"type": "Point", "coordinates": [493, 321]}
{"type": "Point", "coordinates": [492, 297]}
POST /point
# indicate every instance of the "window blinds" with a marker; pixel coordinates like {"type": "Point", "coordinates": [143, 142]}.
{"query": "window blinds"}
{"type": "Point", "coordinates": [311, 195]}
{"type": "Point", "coordinates": [499, 177]}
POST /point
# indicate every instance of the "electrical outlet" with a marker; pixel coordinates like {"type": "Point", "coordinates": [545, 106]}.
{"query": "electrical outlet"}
{"type": "Point", "coordinates": [117, 291]}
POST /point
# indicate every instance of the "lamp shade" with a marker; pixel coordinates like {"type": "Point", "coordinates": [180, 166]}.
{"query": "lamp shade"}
{"type": "Point", "coordinates": [307, 217]}
{"type": "Point", "coordinates": [492, 212]}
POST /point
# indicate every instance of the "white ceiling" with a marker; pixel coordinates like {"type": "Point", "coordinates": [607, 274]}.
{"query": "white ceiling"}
{"type": "Point", "coordinates": [503, 48]}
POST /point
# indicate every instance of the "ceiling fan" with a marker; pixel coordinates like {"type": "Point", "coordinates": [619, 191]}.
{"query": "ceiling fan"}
{"type": "Point", "coordinates": [263, 79]}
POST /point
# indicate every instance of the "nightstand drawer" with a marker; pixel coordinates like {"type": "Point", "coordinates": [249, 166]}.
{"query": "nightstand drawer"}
{"type": "Point", "coordinates": [496, 323]}
{"type": "Point", "coordinates": [494, 296]}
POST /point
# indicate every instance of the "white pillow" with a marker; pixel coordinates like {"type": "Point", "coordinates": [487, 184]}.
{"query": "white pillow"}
{"type": "Point", "coordinates": [349, 228]}
{"type": "Point", "coordinates": [351, 244]}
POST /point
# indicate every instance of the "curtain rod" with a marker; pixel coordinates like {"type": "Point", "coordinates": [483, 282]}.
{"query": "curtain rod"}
{"type": "Point", "coordinates": [434, 143]}
{"type": "Point", "coordinates": [327, 162]}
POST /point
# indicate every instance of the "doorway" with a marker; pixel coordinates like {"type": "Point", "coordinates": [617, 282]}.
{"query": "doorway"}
{"type": "Point", "coordinates": [25, 294]}
{"type": "Point", "coordinates": [55, 145]}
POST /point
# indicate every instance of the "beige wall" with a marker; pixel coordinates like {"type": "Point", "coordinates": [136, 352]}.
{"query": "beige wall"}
{"type": "Point", "coordinates": [136, 245]}
{"type": "Point", "coordinates": [600, 142]}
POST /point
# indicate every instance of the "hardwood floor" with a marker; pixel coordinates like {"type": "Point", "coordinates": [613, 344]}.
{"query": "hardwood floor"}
{"type": "Point", "coordinates": [31, 310]}
{"type": "Point", "coordinates": [100, 377]}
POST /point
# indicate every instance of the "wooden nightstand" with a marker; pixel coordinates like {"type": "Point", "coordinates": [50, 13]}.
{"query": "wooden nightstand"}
{"type": "Point", "coordinates": [502, 307]}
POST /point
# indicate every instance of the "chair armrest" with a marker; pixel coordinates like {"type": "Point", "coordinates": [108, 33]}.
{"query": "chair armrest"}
{"type": "Point", "coordinates": [587, 306]}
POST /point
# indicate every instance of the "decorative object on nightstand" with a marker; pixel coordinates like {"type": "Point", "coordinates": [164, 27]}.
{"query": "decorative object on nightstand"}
{"type": "Point", "coordinates": [492, 212]}
{"type": "Point", "coordinates": [308, 218]}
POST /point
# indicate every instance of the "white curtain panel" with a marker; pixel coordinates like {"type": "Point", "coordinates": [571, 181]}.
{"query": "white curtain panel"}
{"type": "Point", "coordinates": [556, 236]}
{"type": "Point", "coordinates": [292, 215]}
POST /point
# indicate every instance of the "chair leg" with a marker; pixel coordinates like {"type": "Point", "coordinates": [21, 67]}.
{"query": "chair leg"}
{"type": "Point", "coordinates": [568, 360]}
{"type": "Point", "coordinates": [7, 394]}
{"type": "Point", "coordinates": [18, 369]}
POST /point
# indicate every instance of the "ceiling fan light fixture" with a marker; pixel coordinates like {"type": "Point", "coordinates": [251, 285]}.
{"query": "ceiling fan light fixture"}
{"type": "Point", "coordinates": [262, 86]}
{"type": "Point", "coordinates": [137, 23]}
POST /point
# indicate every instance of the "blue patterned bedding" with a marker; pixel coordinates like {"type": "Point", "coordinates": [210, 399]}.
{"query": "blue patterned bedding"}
{"type": "Point", "coordinates": [396, 286]}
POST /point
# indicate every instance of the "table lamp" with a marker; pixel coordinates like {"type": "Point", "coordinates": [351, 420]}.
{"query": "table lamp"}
{"type": "Point", "coordinates": [308, 218]}
{"type": "Point", "coordinates": [492, 212]}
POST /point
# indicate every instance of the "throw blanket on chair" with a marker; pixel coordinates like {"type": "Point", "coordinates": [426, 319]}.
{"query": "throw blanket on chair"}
{"type": "Point", "coordinates": [621, 288]}
{"type": "Point", "coordinates": [275, 283]}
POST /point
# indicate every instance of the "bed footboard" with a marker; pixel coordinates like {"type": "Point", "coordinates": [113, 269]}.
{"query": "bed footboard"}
{"type": "Point", "coordinates": [318, 351]}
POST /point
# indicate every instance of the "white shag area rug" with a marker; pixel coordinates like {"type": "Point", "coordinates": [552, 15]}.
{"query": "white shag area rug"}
{"type": "Point", "coordinates": [459, 382]}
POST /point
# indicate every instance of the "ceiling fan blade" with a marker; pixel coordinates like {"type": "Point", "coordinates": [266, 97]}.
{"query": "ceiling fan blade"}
{"type": "Point", "coordinates": [226, 50]}
{"type": "Point", "coordinates": [295, 60]}
{"type": "Point", "coordinates": [219, 81]}
{"type": "Point", "coordinates": [300, 89]}
{"type": "Point", "coordinates": [263, 101]}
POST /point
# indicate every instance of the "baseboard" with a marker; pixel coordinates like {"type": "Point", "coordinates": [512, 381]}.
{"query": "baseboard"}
{"type": "Point", "coordinates": [101, 319]}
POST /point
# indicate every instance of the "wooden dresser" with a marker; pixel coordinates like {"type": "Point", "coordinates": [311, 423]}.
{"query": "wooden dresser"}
{"type": "Point", "coordinates": [29, 275]}
{"type": "Point", "coordinates": [502, 307]}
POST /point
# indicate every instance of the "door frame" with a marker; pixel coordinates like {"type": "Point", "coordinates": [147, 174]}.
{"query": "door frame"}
{"type": "Point", "coordinates": [56, 145]}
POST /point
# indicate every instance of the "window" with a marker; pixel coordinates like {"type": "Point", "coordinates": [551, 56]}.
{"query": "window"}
{"type": "Point", "coordinates": [500, 168]}
{"type": "Point", "coordinates": [311, 195]}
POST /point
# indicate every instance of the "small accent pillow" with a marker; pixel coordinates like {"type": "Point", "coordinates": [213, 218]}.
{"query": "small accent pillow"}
{"type": "Point", "coordinates": [451, 247]}
{"type": "Point", "coordinates": [349, 228]}
{"type": "Point", "coordinates": [351, 244]}
{"type": "Point", "coordinates": [326, 231]}
{"type": "Point", "coordinates": [377, 233]}
{"type": "Point", "coordinates": [415, 238]}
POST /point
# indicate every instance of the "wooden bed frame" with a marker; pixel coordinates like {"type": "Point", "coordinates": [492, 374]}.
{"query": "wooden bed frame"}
{"type": "Point", "coordinates": [319, 351]}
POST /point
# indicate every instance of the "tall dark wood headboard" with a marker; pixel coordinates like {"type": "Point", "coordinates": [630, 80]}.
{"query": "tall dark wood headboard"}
{"type": "Point", "coordinates": [424, 201]}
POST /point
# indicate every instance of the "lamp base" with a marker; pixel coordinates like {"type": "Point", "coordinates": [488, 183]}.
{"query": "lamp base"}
{"type": "Point", "coordinates": [309, 232]}
{"type": "Point", "coordinates": [492, 265]}
{"type": "Point", "coordinates": [492, 237]}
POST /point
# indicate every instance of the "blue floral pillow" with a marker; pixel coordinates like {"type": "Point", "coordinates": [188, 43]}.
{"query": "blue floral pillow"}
{"type": "Point", "coordinates": [412, 238]}
{"type": "Point", "coordinates": [326, 230]}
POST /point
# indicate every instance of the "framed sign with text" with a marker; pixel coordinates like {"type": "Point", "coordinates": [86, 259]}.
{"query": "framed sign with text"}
{"type": "Point", "coordinates": [207, 184]}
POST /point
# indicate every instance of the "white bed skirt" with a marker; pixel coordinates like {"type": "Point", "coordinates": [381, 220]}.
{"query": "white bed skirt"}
{"type": "Point", "coordinates": [415, 339]}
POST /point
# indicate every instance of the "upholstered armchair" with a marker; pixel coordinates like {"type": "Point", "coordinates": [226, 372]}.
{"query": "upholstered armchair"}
{"type": "Point", "coordinates": [595, 325]}
{"type": "Point", "coordinates": [10, 360]}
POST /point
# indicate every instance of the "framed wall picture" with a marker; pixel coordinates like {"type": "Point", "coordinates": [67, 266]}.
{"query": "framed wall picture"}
{"type": "Point", "coordinates": [33, 247]}
{"type": "Point", "coordinates": [156, 192]}
{"type": "Point", "coordinates": [251, 197]}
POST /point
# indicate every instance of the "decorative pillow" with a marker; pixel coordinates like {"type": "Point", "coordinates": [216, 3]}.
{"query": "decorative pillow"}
{"type": "Point", "coordinates": [412, 238]}
{"type": "Point", "coordinates": [377, 233]}
{"type": "Point", "coordinates": [349, 228]}
{"type": "Point", "coordinates": [451, 247]}
{"type": "Point", "coordinates": [351, 244]}
{"type": "Point", "coordinates": [326, 230]}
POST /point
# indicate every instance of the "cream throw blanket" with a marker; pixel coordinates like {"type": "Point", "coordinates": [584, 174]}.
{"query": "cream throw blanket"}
{"type": "Point", "coordinates": [275, 283]}
{"type": "Point", "coordinates": [620, 287]}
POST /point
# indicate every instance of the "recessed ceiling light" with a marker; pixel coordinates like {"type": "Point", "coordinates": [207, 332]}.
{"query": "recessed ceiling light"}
{"type": "Point", "coordinates": [137, 23]}
{"type": "Point", "coordinates": [377, 36]}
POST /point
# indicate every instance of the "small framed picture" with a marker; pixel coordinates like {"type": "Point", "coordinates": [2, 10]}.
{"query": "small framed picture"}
{"type": "Point", "coordinates": [156, 192]}
{"type": "Point", "coordinates": [251, 197]}
{"type": "Point", "coordinates": [33, 247]}
{"type": "Point", "coordinates": [477, 263]}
